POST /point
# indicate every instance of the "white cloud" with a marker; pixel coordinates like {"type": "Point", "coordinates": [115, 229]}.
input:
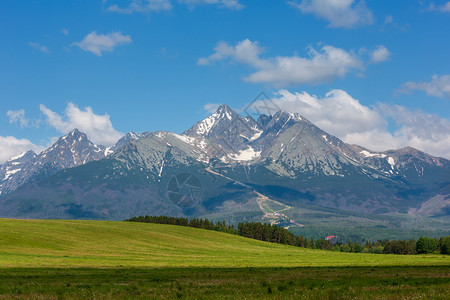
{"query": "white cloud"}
{"type": "Point", "coordinates": [340, 13]}
{"type": "Point", "coordinates": [427, 132]}
{"type": "Point", "coordinates": [441, 8]}
{"type": "Point", "coordinates": [244, 52]}
{"type": "Point", "coordinates": [98, 43]}
{"type": "Point", "coordinates": [445, 7]}
{"type": "Point", "coordinates": [380, 54]}
{"type": "Point", "coordinates": [320, 66]}
{"type": "Point", "coordinates": [17, 116]}
{"type": "Point", "coordinates": [147, 6]}
{"type": "Point", "coordinates": [98, 128]}
{"type": "Point", "coordinates": [438, 86]}
{"type": "Point", "coordinates": [39, 47]}
{"type": "Point", "coordinates": [65, 31]}
{"type": "Point", "coordinates": [340, 114]}
{"type": "Point", "coordinates": [229, 4]}
{"type": "Point", "coordinates": [11, 146]}
{"type": "Point", "coordinates": [142, 6]}
{"type": "Point", "coordinates": [337, 113]}
{"type": "Point", "coordinates": [211, 107]}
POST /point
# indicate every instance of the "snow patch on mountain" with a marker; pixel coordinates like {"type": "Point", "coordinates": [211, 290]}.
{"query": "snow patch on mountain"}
{"type": "Point", "coordinates": [227, 113]}
{"type": "Point", "coordinates": [369, 154]}
{"type": "Point", "coordinates": [246, 155]}
{"type": "Point", "coordinates": [205, 126]}
{"type": "Point", "coordinates": [187, 139]}
{"type": "Point", "coordinates": [256, 135]}
{"type": "Point", "coordinates": [108, 151]}
{"type": "Point", "coordinates": [296, 116]}
{"type": "Point", "coordinates": [9, 173]}
{"type": "Point", "coordinates": [16, 157]}
{"type": "Point", "coordinates": [391, 161]}
{"type": "Point", "coordinates": [161, 169]}
{"type": "Point", "coordinates": [70, 150]}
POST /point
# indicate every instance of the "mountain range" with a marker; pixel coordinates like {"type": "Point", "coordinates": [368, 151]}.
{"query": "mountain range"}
{"type": "Point", "coordinates": [280, 168]}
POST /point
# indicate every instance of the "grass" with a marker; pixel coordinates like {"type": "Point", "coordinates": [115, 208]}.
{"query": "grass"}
{"type": "Point", "coordinates": [62, 243]}
{"type": "Point", "coordinates": [100, 259]}
{"type": "Point", "coordinates": [230, 283]}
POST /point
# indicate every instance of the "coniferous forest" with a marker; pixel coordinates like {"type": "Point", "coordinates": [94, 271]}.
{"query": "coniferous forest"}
{"type": "Point", "coordinates": [276, 234]}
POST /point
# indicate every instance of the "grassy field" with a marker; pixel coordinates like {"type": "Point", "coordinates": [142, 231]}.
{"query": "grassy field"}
{"type": "Point", "coordinates": [230, 283]}
{"type": "Point", "coordinates": [79, 259]}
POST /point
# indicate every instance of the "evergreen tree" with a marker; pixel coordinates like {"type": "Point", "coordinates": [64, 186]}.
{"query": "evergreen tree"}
{"type": "Point", "coordinates": [311, 244]}
{"type": "Point", "coordinates": [426, 245]}
{"type": "Point", "coordinates": [444, 244]}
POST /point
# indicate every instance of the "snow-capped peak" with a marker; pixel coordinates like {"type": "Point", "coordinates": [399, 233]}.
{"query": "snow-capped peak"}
{"type": "Point", "coordinates": [17, 157]}
{"type": "Point", "coordinates": [223, 115]}
{"type": "Point", "coordinates": [72, 149]}
{"type": "Point", "coordinates": [225, 111]}
{"type": "Point", "coordinates": [289, 115]}
{"type": "Point", "coordinates": [204, 127]}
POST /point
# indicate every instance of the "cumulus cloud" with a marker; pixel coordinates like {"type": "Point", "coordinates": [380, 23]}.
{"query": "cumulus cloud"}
{"type": "Point", "coordinates": [17, 116]}
{"type": "Point", "coordinates": [98, 43]}
{"type": "Point", "coordinates": [380, 54]}
{"type": "Point", "coordinates": [211, 107]}
{"type": "Point", "coordinates": [229, 4]}
{"type": "Point", "coordinates": [244, 52]}
{"type": "Point", "coordinates": [323, 65]}
{"type": "Point", "coordinates": [337, 113]}
{"type": "Point", "coordinates": [340, 114]}
{"type": "Point", "coordinates": [39, 47]}
{"type": "Point", "coordinates": [445, 8]}
{"type": "Point", "coordinates": [148, 6]}
{"type": "Point", "coordinates": [339, 13]}
{"type": "Point", "coordinates": [11, 146]}
{"type": "Point", "coordinates": [439, 86]}
{"type": "Point", "coordinates": [427, 132]}
{"type": "Point", "coordinates": [142, 6]}
{"type": "Point", "coordinates": [98, 128]}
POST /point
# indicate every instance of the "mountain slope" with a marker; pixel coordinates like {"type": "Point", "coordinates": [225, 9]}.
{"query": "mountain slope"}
{"type": "Point", "coordinates": [71, 150]}
{"type": "Point", "coordinates": [13, 166]}
{"type": "Point", "coordinates": [232, 167]}
{"type": "Point", "coordinates": [56, 243]}
{"type": "Point", "coordinates": [227, 131]}
{"type": "Point", "coordinates": [130, 136]}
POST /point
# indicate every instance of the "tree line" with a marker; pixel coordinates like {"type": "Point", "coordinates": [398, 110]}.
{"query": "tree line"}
{"type": "Point", "coordinates": [194, 222]}
{"type": "Point", "coordinates": [276, 234]}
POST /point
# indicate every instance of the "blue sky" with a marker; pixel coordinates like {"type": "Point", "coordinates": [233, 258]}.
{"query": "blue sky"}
{"type": "Point", "coordinates": [374, 73]}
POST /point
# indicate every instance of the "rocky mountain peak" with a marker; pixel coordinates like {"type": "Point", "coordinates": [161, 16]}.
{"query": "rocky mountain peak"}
{"type": "Point", "coordinates": [222, 120]}
{"type": "Point", "coordinates": [283, 154]}
{"type": "Point", "coordinates": [130, 136]}
{"type": "Point", "coordinates": [224, 109]}
{"type": "Point", "coordinates": [22, 158]}
{"type": "Point", "coordinates": [14, 165]}
{"type": "Point", "coordinates": [71, 150]}
{"type": "Point", "coordinates": [75, 135]}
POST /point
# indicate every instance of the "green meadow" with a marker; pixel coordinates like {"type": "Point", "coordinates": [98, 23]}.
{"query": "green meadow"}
{"type": "Point", "coordinates": [101, 259]}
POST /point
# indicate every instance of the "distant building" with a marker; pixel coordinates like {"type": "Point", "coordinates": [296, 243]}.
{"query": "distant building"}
{"type": "Point", "coordinates": [332, 238]}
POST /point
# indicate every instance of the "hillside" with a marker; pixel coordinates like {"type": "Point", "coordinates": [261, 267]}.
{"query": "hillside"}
{"type": "Point", "coordinates": [56, 243]}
